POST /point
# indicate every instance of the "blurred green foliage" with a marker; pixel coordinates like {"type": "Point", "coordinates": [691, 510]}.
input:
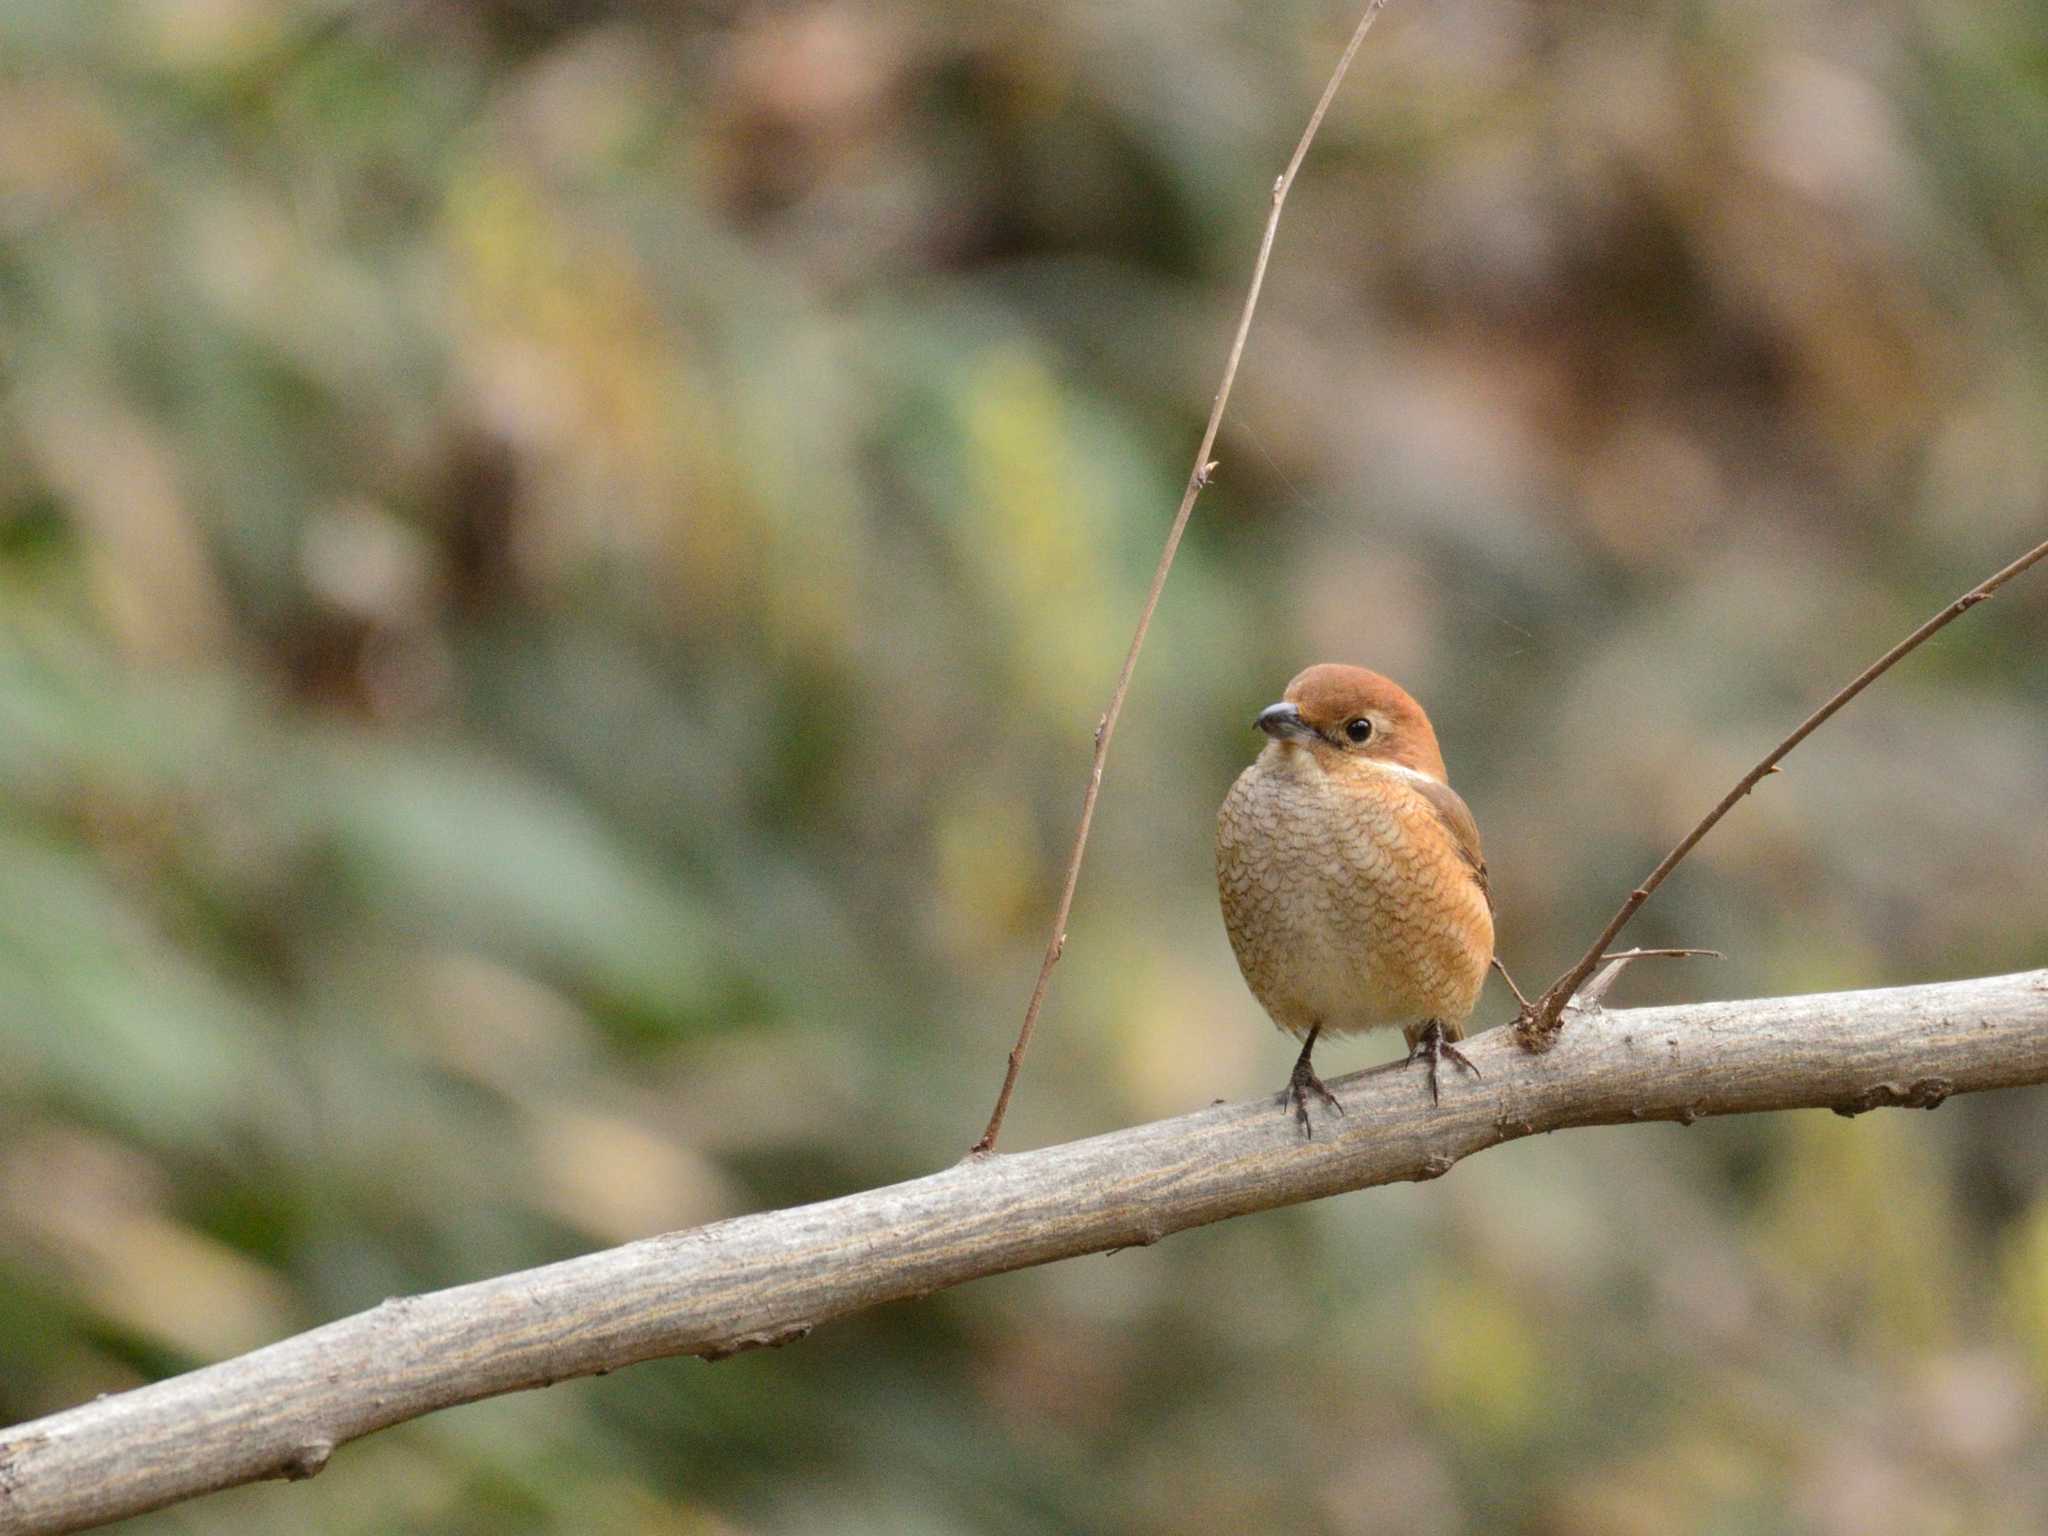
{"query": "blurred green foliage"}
{"type": "Point", "coordinates": [557, 565]}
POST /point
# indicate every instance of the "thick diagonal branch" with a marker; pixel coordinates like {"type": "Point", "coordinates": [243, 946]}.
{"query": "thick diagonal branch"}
{"type": "Point", "coordinates": [770, 1278]}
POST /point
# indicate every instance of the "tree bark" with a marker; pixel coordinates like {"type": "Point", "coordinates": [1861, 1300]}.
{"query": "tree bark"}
{"type": "Point", "coordinates": [770, 1278]}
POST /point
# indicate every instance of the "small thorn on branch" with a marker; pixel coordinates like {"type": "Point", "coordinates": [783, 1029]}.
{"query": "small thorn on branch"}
{"type": "Point", "coordinates": [1592, 992]}
{"type": "Point", "coordinates": [1671, 953]}
{"type": "Point", "coordinates": [306, 1461]}
{"type": "Point", "coordinates": [769, 1338]}
{"type": "Point", "coordinates": [1774, 768]}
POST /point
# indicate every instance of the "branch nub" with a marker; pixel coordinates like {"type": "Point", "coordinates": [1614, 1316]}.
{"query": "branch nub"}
{"type": "Point", "coordinates": [1923, 1093]}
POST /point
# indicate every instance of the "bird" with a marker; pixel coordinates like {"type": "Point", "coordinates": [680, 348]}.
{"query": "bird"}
{"type": "Point", "coordinates": [1353, 884]}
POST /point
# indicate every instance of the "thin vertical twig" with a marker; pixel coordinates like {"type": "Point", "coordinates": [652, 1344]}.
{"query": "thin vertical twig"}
{"type": "Point", "coordinates": [1537, 1025]}
{"type": "Point", "coordinates": [1198, 480]}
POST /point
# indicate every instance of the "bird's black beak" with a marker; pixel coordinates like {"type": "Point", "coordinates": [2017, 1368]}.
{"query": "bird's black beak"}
{"type": "Point", "coordinates": [1283, 722]}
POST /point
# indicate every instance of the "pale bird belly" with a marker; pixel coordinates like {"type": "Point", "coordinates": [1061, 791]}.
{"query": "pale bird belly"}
{"type": "Point", "coordinates": [1360, 928]}
{"type": "Point", "coordinates": [1365, 955]}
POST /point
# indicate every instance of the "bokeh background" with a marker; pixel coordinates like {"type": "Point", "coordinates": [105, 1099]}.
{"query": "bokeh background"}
{"type": "Point", "coordinates": [558, 563]}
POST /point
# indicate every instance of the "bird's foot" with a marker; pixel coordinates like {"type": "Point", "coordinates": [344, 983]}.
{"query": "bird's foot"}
{"type": "Point", "coordinates": [1300, 1087]}
{"type": "Point", "coordinates": [1433, 1046]}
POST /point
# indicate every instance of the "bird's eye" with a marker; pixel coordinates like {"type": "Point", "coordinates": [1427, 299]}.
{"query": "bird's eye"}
{"type": "Point", "coordinates": [1359, 730]}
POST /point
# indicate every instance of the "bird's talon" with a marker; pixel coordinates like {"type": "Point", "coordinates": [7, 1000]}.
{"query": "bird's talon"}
{"type": "Point", "coordinates": [1303, 1081]}
{"type": "Point", "coordinates": [1433, 1046]}
{"type": "Point", "coordinates": [1300, 1086]}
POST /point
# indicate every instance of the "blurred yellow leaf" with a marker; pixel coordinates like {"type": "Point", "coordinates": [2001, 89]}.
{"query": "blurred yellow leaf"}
{"type": "Point", "coordinates": [1482, 1360]}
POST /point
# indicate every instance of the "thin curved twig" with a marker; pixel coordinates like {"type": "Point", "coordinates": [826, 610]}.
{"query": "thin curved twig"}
{"type": "Point", "coordinates": [1198, 481]}
{"type": "Point", "coordinates": [1538, 1023]}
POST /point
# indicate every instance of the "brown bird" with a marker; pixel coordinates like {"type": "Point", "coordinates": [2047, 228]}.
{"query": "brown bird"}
{"type": "Point", "coordinates": [1352, 880]}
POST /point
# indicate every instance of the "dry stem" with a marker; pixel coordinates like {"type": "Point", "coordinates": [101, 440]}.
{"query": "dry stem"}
{"type": "Point", "coordinates": [1198, 480]}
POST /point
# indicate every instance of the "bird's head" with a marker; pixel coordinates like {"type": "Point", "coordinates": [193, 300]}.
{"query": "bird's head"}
{"type": "Point", "coordinates": [1347, 717]}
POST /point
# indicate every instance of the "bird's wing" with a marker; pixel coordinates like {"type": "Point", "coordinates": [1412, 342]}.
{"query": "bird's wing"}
{"type": "Point", "coordinates": [1457, 819]}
